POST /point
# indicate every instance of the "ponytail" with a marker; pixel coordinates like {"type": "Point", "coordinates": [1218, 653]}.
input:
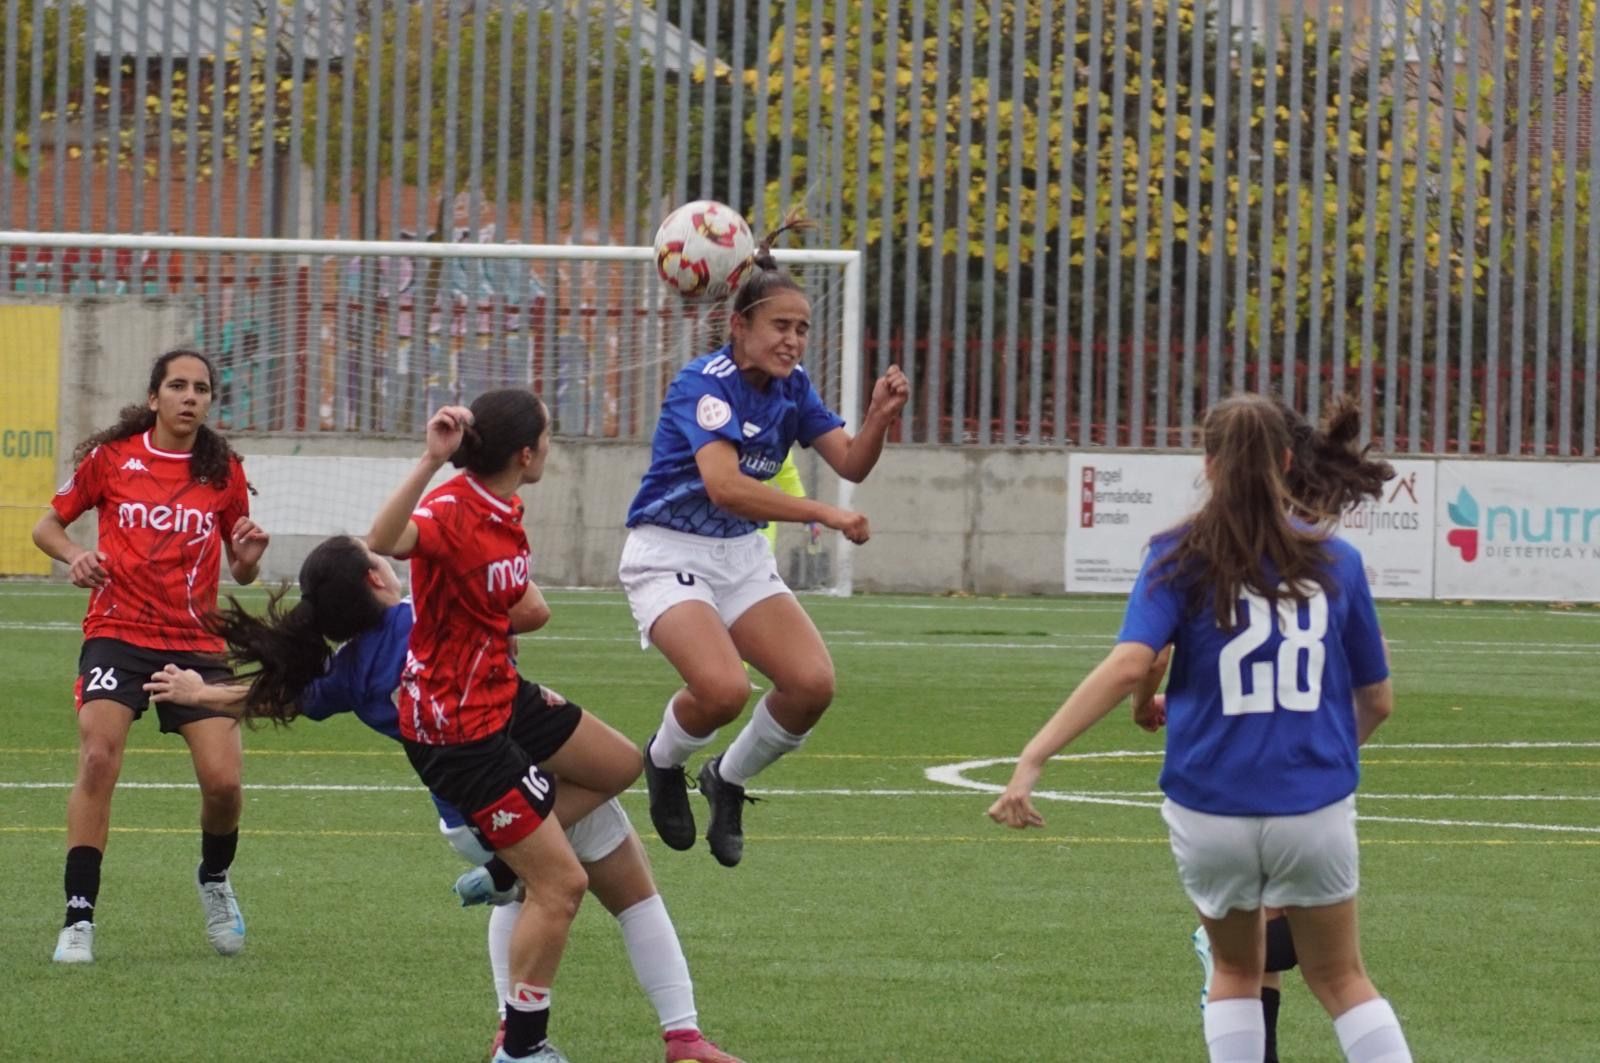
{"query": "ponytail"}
{"type": "Point", "coordinates": [1331, 470]}
{"type": "Point", "coordinates": [285, 650]}
{"type": "Point", "coordinates": [768, 278]}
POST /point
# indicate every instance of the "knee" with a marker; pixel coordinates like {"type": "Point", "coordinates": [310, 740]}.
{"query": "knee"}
{"type": "Point", "coordinates": [629, 765]}
{"type": "Point", "coordinates": [722, 698]}
{"type": "Point", "coordinates": [811, 688]}
{"type": "Point", "coordinates": [99, 763]}
{"type": "Point", "coordinates": [221, 790]}
{"type": "Point", "coordinates": [558, 891]}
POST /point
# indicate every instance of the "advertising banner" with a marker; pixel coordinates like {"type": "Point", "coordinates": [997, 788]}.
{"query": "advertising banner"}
{"type": "Point", "coordinates": [1518, 530]}
{"type": "Point", "coordinates": [30, 361]}
{"type": "Point", "coordinates": [1116, 503]}
{"type": "Point", "coordinates": [1119, 501]}
{"type": "Point", "coordinates": [1395, 533]}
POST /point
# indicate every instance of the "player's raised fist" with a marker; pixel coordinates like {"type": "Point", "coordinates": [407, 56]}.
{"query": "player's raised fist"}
{"type": "Point", "coordinates": [445, 430]}
{"type": "Point", "coordinates": [890, 393]}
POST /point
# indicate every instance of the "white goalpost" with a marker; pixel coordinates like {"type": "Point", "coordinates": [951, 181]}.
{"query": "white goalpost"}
{"type": "Point", "coordinates": [332, 353]}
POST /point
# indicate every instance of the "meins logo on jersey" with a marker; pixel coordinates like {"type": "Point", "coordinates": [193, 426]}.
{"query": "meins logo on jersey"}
{"type": "Point", "coordinates": [508, 573]}
{"type": "Point", "coordinates": [180, 518]}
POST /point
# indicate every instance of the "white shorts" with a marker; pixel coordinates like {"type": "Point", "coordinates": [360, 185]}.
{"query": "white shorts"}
{"type": "Point", "coordinates": [1245, 862]}
{"type": "Point", "coordinates": [661, 568]}
{"type": "Point", "coordinates": [592, 838]}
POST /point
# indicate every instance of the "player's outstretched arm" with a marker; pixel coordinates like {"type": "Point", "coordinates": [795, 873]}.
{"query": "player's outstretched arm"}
{"type": "Point", "coordinates": [186, 687]}
{"type": "Point", "coordinates": [853, 457]}
{"type": "Point", "coordinates": [1101, 691]}
{"type": "Point", "coordinates": [392, 532]}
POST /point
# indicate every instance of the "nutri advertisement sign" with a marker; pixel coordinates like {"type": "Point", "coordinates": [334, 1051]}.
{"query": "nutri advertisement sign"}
{"type": "Point", "coordinates": [1119, 501]}
{"type": "Point", "coordinates": [1518, 530]}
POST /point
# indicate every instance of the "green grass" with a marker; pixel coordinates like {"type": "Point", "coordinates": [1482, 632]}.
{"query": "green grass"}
{"type": "Point", "coordinates": [877, 916]}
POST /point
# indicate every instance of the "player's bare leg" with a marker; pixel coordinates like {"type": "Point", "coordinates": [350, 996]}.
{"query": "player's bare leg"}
{"type": "Point", "coordinates": [1327, 942]}
{"type": "Point", "coordinates": [779, 639]}
{"type": "Point", "coordinates": [102, 736]}
{"type": "Point", "coordinates": [693, 639]}
{"type": "Point", "coordinates": [596, 757]}
{"type": "Point", "coordinates": [1234, 1027]}
{"type": "Point", "coordinates": [217, 749]}
{"type": "Point", "coordinates": [554, 882]}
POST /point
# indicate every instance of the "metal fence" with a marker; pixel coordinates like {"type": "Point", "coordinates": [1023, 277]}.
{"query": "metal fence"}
{"type": "Point", "coordinates": [1082, 222]}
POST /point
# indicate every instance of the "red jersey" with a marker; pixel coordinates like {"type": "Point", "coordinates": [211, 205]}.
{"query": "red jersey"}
{"type": "Point", "coordinates": [162, 532]}
{"type": "Point", "coordinates": [469, 567]}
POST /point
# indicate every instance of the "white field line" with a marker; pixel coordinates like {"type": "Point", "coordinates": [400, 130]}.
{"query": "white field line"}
{"type": "Point", "coordinates": [954, 775]}
{"type": "Point", "coordinates": [1100, 796]}
{"type": "Point", "coordinates": [1070, 643]}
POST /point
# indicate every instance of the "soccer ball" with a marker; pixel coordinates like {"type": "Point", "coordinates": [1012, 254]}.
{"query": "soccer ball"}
{"type": "Point", "coordinates": [704, 249]}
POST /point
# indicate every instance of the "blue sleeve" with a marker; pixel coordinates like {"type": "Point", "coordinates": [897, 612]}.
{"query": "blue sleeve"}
{"type": "Point", "coordinates": [699, 408]}
{"type": "Point", "coordinates": [1363, 641]}
{"type": "Point", "coordinates": [1155, 607]}
{"type": "Point", "coordinates": [815, 418]}
{"type": "Point", "coordinates": [334, 691]}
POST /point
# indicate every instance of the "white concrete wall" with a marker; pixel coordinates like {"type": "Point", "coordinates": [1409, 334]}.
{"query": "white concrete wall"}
{"type": "Point", "coordinates": [982, 520]}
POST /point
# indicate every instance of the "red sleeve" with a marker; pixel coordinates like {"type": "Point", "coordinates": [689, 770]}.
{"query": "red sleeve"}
{"type": "Point", "coordinates": [433, 530]}
{"type": "Point", "coordinates": [83, 489]}
{"type": "Point", "coordinates": [238, 502]}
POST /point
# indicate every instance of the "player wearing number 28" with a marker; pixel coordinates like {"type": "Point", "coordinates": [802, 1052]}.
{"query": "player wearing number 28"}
{"type": "Point", "coordinates": [1278, 675]}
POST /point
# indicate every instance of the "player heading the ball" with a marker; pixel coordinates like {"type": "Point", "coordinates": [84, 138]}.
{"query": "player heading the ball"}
{"type": "Point", "coordinates": [701, 579]}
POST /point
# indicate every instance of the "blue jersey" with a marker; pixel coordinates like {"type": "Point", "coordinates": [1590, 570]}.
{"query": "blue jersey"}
{"type": "Point", "coordinates": [1261, 720]}
{"type": "Point", "coordinates": [710, 401]}
{"type": "Point", "coordinates": [364, 677]}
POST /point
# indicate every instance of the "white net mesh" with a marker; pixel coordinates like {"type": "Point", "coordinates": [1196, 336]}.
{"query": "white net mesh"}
{"type": "Point", "coordinates": [328, 352]}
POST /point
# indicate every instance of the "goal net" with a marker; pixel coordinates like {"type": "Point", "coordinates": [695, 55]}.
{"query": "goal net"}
{"type": "Point", "coordinates": [332, 354]}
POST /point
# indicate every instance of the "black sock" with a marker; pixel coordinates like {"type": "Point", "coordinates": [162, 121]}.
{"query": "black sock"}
{"type": "Point", "coordinates": [1269, 1013]}
{"type": "Point", "coordinates": [526, 1031]}
{"type": "Point", "coordinates": [216, 853]}
{"type": "Point", "coordinates": [504, 877]}
{"type": "Point", "coordinates": [82, 882]}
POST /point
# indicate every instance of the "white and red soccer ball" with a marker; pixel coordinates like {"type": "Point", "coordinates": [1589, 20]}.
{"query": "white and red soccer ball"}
{"type": "Point", "coordinates": [704, 250]}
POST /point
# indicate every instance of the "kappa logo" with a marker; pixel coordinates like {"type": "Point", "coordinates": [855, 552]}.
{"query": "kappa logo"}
{"type": "Point", "coordinates": [502, 819]}
{"type": "Point", "coordinates": [712, 413]}
{"type": "Point", "coordinates": [751, 430]}
{"type": "Point", "coordinates": [135, 465]}
{"type": "Point", "coordinates": [78, 902]}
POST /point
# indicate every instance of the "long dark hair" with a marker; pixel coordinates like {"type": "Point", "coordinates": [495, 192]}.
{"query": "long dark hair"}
{"type": "Point", "coordinates": [211, 459]}
{"type": "Point", "coordinates": [1244, 532]}
{"type": "Point", "coordinates": [1331, 470]}
{"type": "Point", "coordinates": [503, 422]}
{"type": "Point", "coordinates": [768, 278]}
{"type": "Point", "coordinates": [283, 651]}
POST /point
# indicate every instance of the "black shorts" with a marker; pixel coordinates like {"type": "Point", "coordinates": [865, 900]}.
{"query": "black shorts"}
{"type": "Point", "coordinates": [496, 782]}
{"type": "Point", "coordinates": [113, 670]}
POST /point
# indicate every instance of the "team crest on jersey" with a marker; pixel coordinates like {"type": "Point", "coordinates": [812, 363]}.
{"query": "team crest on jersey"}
{"type": "Point", "coordinates": [712, 413]}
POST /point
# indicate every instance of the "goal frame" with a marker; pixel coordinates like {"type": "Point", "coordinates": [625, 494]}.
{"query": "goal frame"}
{"type": "Point", "coordinates": [851, 311]}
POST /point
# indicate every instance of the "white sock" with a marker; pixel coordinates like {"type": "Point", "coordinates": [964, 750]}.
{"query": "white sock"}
{"type": "Point", "coordinates": [1236, 1032]}
{"type": "Point", "coordinates": [1370, 1033]}
{"type": "Point", "coordinates": [672, 744]}
{"type": "Point", "coordinates": [658, 963]}
{"type": "Point", "coordinates": [762, 742]}
{"type": "Point", "coordinates": [502, 918]}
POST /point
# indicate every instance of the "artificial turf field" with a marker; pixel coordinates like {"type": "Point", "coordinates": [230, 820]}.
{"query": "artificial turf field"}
{"type": "Point", "coordinates": [878, 914]}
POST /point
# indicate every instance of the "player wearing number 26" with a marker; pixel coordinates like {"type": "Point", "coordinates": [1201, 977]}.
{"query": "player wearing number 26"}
{"type": "Point", "coordinates": [1278, 675]}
